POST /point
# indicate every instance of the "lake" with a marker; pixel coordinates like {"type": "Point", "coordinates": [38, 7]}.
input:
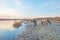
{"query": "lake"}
{"type": "Point", "coordinates": [8, 32]}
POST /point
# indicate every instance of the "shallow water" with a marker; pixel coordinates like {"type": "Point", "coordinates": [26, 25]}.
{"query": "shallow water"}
{"type": "Point", "coordinates": [7, 32]}
{"type": "Point", "coordinates": [50, 32]}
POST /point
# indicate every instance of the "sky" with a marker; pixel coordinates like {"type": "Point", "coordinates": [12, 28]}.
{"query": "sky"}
{"type": "Point", "coordinates": [29, 8]}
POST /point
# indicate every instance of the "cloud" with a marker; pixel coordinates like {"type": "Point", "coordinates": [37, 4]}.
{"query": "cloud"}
{"type": "Point", "coordinates": [9, 13]}
{"type": "Point", "coordinates": [20, 4]}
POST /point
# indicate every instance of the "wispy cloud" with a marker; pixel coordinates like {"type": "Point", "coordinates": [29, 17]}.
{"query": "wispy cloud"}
{"type": "Point", "coordinates": [29, 7]}
{"type": "Point", "coordinates": [9, 13]}
{"type": "Point", "coordinates": [20, 4]}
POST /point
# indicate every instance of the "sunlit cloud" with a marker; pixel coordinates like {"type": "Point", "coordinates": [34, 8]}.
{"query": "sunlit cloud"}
{"type": "Point", "coordinates": [9, 13]}
{"type": "Point", "coordinates": [18, 8]}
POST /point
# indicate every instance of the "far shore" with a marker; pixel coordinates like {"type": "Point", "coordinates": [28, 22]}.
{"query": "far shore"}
{"type": "Point", "coordinates": [50, 18]}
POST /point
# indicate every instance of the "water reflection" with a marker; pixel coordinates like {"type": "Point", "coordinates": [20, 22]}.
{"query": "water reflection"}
{"type": "Point", "coordinates": [52, 32]}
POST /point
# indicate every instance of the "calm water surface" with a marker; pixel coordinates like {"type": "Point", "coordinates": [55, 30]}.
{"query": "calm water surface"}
{"type": "Point", "coordinates": [8, 32]}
